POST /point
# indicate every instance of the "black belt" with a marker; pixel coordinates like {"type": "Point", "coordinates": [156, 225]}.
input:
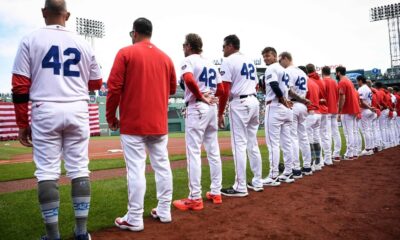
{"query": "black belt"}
{"type": "Point", "coordinates": [245, 96]}
{"type": "Point", "coordinates": [187, 103]}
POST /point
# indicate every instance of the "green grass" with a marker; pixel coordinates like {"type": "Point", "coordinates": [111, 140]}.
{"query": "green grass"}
{"type": "Point", "coordinates": [10, 149]}
{"type": "Point", "coordinates": [109, 200]}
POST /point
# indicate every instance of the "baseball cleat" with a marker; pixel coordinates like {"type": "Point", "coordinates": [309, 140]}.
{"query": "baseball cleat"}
{"type": "Point", "coordinates": [255, 188]}
{"type": "Point", "coordinates": [297, 174]}
{"type": "Point", "coordinates": [230, 192]}
{"type": "Point", "coordinates": [366, 152]}
{"type": "Point", "coordinates": [272, 182]}
{"type": "Point", "coordinates": [189, 204]}
{"type": "Point", "coordinates": [347, 158]}
{"type": "Point", "coordinates": [123, 224]}
{"type": "Point", "coordinates": [154, 214]}
{"type": "Point", "coordinates": [328, 163]}
{"type": "Point", "coordinates": [46, 238]}
{"type": "Point", "coordinates": [216, 198]}
{"type": "Point", "coordinates": [317, 167]}
{"type": "Point", "coordinates": [287, 178]}
{"type": "Point", "coordinates": [336, 159]}
{"type": "Point", "coordinates": [82, 237]}
{"type": "Point", "coordinates": [307, 171]}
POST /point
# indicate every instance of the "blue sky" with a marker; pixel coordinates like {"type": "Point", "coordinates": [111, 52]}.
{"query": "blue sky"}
{"type": "Point", "coordinates": [328, 32]}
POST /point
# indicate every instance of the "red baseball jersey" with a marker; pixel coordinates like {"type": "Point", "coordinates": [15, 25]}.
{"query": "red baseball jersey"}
{"type": "Point", "coordinates": [141, 80]}
{"type": "Point", "coordinates": [351, 103]}
{"type": "Point", "coordinates": [313, 95]}
{"type": "Point", "coordinates": [332, 95]}
{"type": "Point", "coordinates": [323, 107]}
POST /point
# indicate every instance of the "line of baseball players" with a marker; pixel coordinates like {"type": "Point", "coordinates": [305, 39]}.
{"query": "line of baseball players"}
{"type": "Point", "coordinates": [302, 110]}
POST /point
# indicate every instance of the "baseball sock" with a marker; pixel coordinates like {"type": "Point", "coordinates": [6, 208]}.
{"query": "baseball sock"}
{"type": "Point", "coordinates": [49, 199]}
{"type": "Point", "coordinates": [317, 151]}
{"type": "Point", "coordinates": [80, 192]}
{"type": "Point", "coordinates": [312, 153]}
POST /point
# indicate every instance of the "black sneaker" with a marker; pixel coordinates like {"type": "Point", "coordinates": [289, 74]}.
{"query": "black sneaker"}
{"type": "Point", "coordinates": [82, 237]}
{"type": "Point", "coordinates": [297, 174]}
{"type": "Point", "coordinates": [307, 171]}
{"type": "Point", "coordinates": [230, 192]}
{"type": "Point", "coordinates": [254, 188]}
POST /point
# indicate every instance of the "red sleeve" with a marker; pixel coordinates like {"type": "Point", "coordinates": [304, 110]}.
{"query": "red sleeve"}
{"type": "Point", "coordinates": [220, 90]}
{"type": "Point", "coordinates": [172, 83]}
{"type": "Point", "coordinates": [95, 84]}
{"type": "Point", "coordinates": [192, 85]}
{"type": "Point", "coordinates": [20, 89]}
{"type": "Point", "coordinates": [224, 98]}
{"type": "Point", "coordinates": [115, 83]}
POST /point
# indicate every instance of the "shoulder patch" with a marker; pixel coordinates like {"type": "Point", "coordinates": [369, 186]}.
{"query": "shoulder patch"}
{"type": "Point", "coordinates": [222, 73]}
{"type": "Point", "coordinates": [184, 67]}
{"type": "Point", "coordinates": [268, 76]}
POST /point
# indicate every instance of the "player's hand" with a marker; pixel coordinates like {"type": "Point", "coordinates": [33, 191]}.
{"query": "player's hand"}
{"type": "Point", "coordinates": [114, 126]}
{"type": "Point", "coordinates": [284, 102]}
{"type": "Point", "coordinates": [339, 118]}
{"type": "Point", "coordinates": [205, 98]}
{"type": "Point", "coordinates": [307, 102]}
{"type": "Point", "coordinates": [322, 101]}
{"type": "Point", "coordinates": [25, 136]}
{"type": "Point", "coordinates": [221, 122]}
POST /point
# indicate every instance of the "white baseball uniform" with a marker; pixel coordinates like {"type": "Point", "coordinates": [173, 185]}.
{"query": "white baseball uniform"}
{"type": "Point", "coordinates": [367, 116]}
{"type": "Point", "coordinates": [244, 117]}
{"type": "Point", "coordinates": [298, 81]}
{"type": "Point", "coordinates": [60, 64]}
{"type": "Point", "coordinates": [278, 121]}
{"type": "Point", "coordinates": [201, 125]}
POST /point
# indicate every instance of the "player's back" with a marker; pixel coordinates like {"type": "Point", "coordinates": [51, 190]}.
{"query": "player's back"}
{"type": "Point", "coordinates": [332, 95]}
{"type": "Point", "coordinates": [242, 72]}
{"type": "Point", "coordinates": [59, 64]}
{"type": "Point", "coordinates": [351, 102]}
{"type": "Point", "coordinates": [313, 95]}
{"type": "Point", "coordinates": [276, 73]}
{"type": "Point", "coordinates": [298, 80]}
{"type": "Point", "coordinates": [365, 93]}
{"type": "Point", "coordinates": [205, 73]}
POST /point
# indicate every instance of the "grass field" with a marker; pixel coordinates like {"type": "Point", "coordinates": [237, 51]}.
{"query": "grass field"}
{"type": "Point", "coordinates": [109, 197]}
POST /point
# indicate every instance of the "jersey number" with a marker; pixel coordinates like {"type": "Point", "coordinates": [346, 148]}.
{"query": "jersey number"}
{"type": "Point", "coordinates": [52, 60]}
{"type": "Point", "coordinates": [285, 79]}
{"type": "Point", "coordinates": [300, 82]}
{"type": "Point", "coordinates": [208, 77]}
{"type": "Point", "coordinates": [248, 71]}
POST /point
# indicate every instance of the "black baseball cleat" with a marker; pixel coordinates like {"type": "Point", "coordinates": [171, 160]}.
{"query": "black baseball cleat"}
{"type": "Point", "coordinates": [230, 192]}
{"type": "Point", "coordinates": [297, 174]}
{"type": "Point", "coordinates": [307, 171]}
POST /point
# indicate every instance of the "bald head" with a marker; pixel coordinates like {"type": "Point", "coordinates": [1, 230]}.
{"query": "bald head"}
{"type": "Point", "coordinates": [56, 7]}
{"type": "Point", "coordinates": [55, 12]}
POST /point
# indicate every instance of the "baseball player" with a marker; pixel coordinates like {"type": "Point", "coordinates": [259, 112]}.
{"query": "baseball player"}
{"type": "Point", "coordinates": [313, 124]}
{"type": "Point", "coordinates": [239, 76]}
{"type": "Point", "coordinates": [325, 127]}
{"type": "Point", "coordinates": [297, 93]}
{"type": "Point", "coordinates": [54, 69]}
{"type": "Point", "coordinates": [332, 97]}
{"type": "Point", "coordinates": [384, 117]}
{"type": "Point", "coordinates": [377, 141]}
{"type": "Point", "coordinates": [397, 107]}
{"type": "Point", "coordinates": [393, 119]}
{"type": "Point", "coordinates": [141, 80]}
{"type": "Point", "coordinates": [367, 114]}
{"type": "Point", "coordinates": [278, 119]}
{"type": "Point", "coordinates": [202, 82]}
{"type": "Point", "coordinates": [348, 108]}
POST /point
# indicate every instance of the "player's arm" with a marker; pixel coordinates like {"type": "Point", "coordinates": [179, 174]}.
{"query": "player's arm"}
{"type": "Point", "coordinates": [296, 97]}
{"type": "Point", "coordinates": [191, 84]}
{"type": "Point", "coordinates": [95, 84]}
{"type": "Point", "coordinates": [20, 89]}
{"type": "Point", "coordinates": [115, 83]}
{"type": "Point", "coordinates": [223, 99]}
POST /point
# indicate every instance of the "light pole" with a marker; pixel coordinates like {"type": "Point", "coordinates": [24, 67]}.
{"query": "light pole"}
{"type": "Point", "coordinates": [390, 13]}
{"type": "Point", "coordinates": [90, 28]}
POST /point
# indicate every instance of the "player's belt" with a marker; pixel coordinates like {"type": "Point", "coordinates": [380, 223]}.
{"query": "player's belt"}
{"type": "Point", "coordinates": [187, 103]}
{"type": "Point", "coordinates": [245, 96]}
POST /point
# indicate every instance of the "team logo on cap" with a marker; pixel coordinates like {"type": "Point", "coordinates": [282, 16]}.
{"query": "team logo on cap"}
{"type": "Point", "coordinates": [184, 67]}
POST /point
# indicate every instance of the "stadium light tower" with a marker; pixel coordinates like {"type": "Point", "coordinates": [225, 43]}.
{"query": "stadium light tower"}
{"type": "Point", "coordinates": [390, 13]}
{"type": "Point", "coordinates": [89, 28]}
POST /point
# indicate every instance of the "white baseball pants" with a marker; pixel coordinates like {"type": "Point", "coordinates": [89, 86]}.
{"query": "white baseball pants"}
{"type": "Point", "coordinates": [299, 136]}
{"type": "Point", "coordinates": [383, 123]}
{"type": "Point", "coordinates": [358, 136]}
{"type": "Point", "coordinates": [278, 124]}
{"type": "Point", "coordinates": [367, 117]}
{"type": "Point", "coordinates": [134, 147]}
{"type": "Point", "coordinates": [337, 140]}
{"type": "Point", "coordinates": [326, 138]}
{"type": "Point", "coordinates": [201, 127]}
{"type": "Point", "coordinates": [313, 127]}
{"type": "Point", "coordinates": [244, 120]}
{"type": "Point", "coordinates": [376, 131]}
{"type": "Point", "coordinates": [349, 129]}
{"type": "Point", "coordinates": [60, 130]}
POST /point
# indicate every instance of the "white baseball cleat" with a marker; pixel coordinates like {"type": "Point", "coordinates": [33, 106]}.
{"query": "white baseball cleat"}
{"type": "Point", "coordinates": [123, 224]}
{"type": "Point", "coordinates": [272, 182]}
{"type": "Point", "coordinates": [367, 152]}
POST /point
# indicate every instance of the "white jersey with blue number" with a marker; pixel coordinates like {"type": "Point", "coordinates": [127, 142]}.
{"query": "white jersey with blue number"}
{"type": "Point", "coordinates": [276, 73]}
{"type": "Point", "coordinates": [59, 63]}
{"type": "Point", "coordinates": [365, 94]}
{"type": "Point", "coordinates": [241, 72]}
{"type": "Point", "coordinates": [205, 73]}
{"type": "Point", "coordinates": [297, 80]}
